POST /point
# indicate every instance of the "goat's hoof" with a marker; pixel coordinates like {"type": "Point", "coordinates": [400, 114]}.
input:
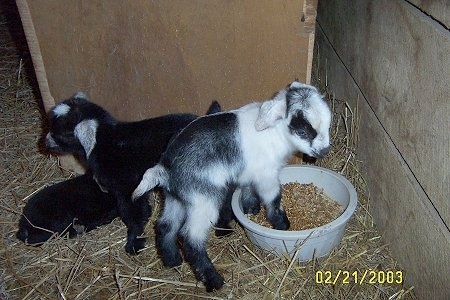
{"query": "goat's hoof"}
{"type": "Point", "coordinates": [251, 209]}
{"type": "Point", "coordinates": [283, 225]}
{"type": "Point", "coordinates": [131, 250]}
{"type": "Point", "coordinates": [133, 247]}
{"type": "Point", "coordinates": [214, 283]}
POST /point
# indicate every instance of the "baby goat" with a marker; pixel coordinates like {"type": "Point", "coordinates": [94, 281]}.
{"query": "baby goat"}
{"type": "Point", "coordinates": [215, 154]}
{"type": "Point", "coordinates": [74, 206]}
{"type": "Point", "coordinates": [118, 153]}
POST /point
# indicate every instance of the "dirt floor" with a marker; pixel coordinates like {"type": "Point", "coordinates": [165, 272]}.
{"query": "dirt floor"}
{"type": "Point", "coordinates": [95, 265]}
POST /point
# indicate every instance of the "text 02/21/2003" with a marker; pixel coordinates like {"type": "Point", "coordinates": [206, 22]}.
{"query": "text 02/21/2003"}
{"type": "Point", "coordinates": [358, 277]}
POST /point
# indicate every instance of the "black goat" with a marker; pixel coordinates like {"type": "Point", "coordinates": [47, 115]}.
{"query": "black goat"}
{"type": "Point", "coordinates": [76, 205]}
{"type": "Point", "coordinates": [118, 153]}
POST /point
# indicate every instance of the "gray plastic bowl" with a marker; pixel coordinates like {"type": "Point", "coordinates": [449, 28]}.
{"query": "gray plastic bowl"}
{"type": "Point", "coordinates": [316, 242]}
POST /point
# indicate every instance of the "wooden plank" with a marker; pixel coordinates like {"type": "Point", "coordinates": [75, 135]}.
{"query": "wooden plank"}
{"type": "Point", "coordinates": [35, 52]}
{"type": "Point", "coordinates": [416, 235]}
{"type": "Point", "coordinates": [415, 232]}
{"type": "Point", "coordinates": [67, 162]}
{"type": "Point", "coordinates": [437, 9]}
{"type": "Point", "coordinates": [146, 58]}
{"type": "Point", "coordinates": [399, 58]}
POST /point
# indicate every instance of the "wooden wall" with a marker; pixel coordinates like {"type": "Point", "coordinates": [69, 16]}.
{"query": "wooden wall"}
{"type": "Point", "coordinates": [392, 57]}
{"type": "Point", "coordinates": [146, 58]}
{"type": "Point", "coordinates": [141, 58]}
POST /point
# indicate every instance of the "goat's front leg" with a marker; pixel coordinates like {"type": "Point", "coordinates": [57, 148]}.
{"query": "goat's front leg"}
{"type": "Point", "coordinates": [135, 216]}
{"type": "Point", "coordinates": [251, 204]}
{"type": "Point", "coordinates": [269, 191]}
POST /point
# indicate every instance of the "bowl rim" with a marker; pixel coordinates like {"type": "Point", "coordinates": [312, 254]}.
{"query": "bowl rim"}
{"type": "Point", "coordinates": [307, 233]}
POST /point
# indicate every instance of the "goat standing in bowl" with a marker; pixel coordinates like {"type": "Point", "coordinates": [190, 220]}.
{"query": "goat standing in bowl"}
{"type": "Point", "coordinates": [117, 153]}
{"type": "Point", "coordinates": [215, 154]}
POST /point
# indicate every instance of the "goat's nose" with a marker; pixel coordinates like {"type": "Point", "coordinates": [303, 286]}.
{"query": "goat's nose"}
{"type": "Point", "coordinates": [325, 151]}
{"type": "Point", "coordinates": [322, 152]}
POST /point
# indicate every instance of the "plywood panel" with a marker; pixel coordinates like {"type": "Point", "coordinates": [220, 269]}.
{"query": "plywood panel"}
{"type": "Point", "coordinates": [415, 233]}
{"type": "Point", "coordinates": [437, 9]}
{"type": "Point", "coordinates": [399, 58]}
{"type": "Point", "coordinates": [146, 58]}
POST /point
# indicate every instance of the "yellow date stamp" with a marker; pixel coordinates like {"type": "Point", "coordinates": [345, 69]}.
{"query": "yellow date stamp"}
{"type": "Point", "coordinates": [358, 277]}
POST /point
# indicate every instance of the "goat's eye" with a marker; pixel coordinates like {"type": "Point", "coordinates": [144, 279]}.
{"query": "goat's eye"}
{"type": "Point", "coordinates": [301, 133]}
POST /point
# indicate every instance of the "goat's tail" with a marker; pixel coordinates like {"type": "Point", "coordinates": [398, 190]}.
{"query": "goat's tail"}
{"type": "Point", "coordinates": [153, 177]}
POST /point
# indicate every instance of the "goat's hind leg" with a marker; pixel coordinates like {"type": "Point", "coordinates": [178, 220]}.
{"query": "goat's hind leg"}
{"type": "Point", "coordinates": [201, 216]}
{"type": "Point", "coordinates": [167, 228]}
{"type": "Point", "coordinates": [226, 215]}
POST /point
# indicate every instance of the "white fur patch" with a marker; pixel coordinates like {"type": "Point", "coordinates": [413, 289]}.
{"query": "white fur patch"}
{"type": "Point", "coordinates": [319, 116]}
{"type": "Point", "coordinates": [80, 95]}
{"type": "Point", "coordinates": [86, 132]}
{"type": "Point", "coordinates": [151, 178]}
{"type": "Point", "coordinates": [297, 85]}
{"type": "Point", "coordinates": [61, 110]}
{"type": "Point", "coordinates": [217, 174]}
{"type": "Point", "coordinates": [268, 186]}
{"type": "Point", "coordinates": [202, 216]}
{"type": "Point", "coordinates": [173, 213]}
{"type": "Point", "coordinates": [270, 112]}
{"type": "Point", "coordinates": [50, 141]}
{"type": "Point", "coordinates": [264, 151]}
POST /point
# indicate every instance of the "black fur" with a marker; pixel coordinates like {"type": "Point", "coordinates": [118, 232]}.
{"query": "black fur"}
{"type": "Point", "coordinates": [301, 127]}
{"type": "Point", "coordinates": [215, 143]}
{"type": "Point", "coordinates": [276, 215]}
{"type": "Point", "coordinates": [67, 206]}
{"type": "Point", "coordinates": [170, 255]}
{"type": "Point", "coordinates": [211, 135]}
{"type": "Point", "coordinates": [251, 203]}
{"type": "Point", "coordinates": [226, 216]}
{"type": "Point", "coordinates": [204, 269]}
{"type": "Point", "coordinates": [122, 153]}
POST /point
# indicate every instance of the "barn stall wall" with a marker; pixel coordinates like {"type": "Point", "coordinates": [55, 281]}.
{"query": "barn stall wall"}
{"type": "Point", "coordinates": [141, 59]}
{"type": "Point", "coordinates": [391, 60]}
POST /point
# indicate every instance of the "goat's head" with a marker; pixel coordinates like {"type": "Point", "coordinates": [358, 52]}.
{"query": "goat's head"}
{"type": "Point", "coordinates": [306, 114]}
{"type": "Point", "coordinates": [73, 125]}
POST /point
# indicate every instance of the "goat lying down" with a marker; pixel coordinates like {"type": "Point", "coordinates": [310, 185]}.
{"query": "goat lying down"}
{"type": "Point", "coordinates": [117, 153]}
{"type": "Point", "coordinates": [214, 154]}
{"type": "Point", "coordinates": [76, 205]}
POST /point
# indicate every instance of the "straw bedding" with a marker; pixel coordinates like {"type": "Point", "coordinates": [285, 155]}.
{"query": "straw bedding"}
{"type": "Point", "coordinates": [95, 265]}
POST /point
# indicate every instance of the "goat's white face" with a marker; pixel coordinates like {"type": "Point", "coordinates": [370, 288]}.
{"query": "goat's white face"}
{"type": "Point", "coordinates": [72, 126]}
{"type": "Point", "coordinates": [309, 120]}
{"type": "Point", "coordinates": [306, 114]}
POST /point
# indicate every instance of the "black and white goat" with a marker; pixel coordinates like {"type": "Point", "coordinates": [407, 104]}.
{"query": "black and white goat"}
{"type": "Point", "coordinates": [75, 205]}
{"type": "Point", "coordinates": [117, 153]}
{"type": "Point", "coordinates": [215, 154]}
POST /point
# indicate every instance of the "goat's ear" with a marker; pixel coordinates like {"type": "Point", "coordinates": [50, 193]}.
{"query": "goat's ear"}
{"type": "Point", "coordinates": [85, 132]}
{"type": "Point", "coordinates": [270, 112]}
{"type": "Point", "coordinates": [80, 95]}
